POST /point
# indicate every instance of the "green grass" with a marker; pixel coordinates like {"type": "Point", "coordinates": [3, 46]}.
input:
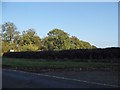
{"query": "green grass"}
{"type": "Point", "coordinates": [35, 64]}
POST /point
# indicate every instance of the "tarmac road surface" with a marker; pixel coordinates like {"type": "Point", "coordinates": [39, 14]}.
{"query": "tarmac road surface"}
{"type": "Point", "coordinates": [21, 79]}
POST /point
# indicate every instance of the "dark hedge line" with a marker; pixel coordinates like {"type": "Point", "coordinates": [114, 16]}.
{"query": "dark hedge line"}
{"type": "Point", "coordinates": [95, 55]}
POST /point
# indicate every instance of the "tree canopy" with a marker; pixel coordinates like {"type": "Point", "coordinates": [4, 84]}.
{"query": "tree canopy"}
{"type": "Point", "coordinates": [28, 40]}
{"type": "Point", "coordinates": [9, 31]}
{"type": "Point", "coordinates": [57, 39]}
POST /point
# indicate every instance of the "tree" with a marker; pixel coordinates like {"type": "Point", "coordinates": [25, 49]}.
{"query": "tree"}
{"type": "Point", "coordinates": [57, 39]}
{"type": "Point", "coordinates": [86, 45]}
{"type": "Point", "coordinates": [94, 47]}
{"type": "Point", "coordinates": [5, 46]}
{"type": "Point", "coordinates": [8, 31]}
{"type": "Point", "coordinates": [9, 35]}
{"type": "Point", "coordinates": [75, 43]}
{"type": "Point", "coordinates": [30, 40]}
{"type": "Point", "coordinates": [30, 47]}
{"type": "Point", "coordinates": [16, 37]}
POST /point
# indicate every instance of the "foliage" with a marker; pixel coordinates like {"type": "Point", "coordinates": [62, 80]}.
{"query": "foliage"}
{"type": "Point", "coordinates": [30, 47]}
{"type": "Point", "coordinates": [8, 31]}
{"type": "Point", "coordinates": [56, 39]}
{"type": "Point", "coordinates": [29, 37]}
{"type": "Point", "coordinates": [77, 44]}
{"type": "Point", "coordinates": [30, 41]}
{"type": "Point", "coordinates": [59, 40]}
{"type": "Point", "coordinates": [110, 54]}
{"type": "Point", "coordinates": [5, 46]}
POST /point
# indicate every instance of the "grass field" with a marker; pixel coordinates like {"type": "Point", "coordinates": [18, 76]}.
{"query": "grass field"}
{"type": "Point", "coordinates": [32, 64]}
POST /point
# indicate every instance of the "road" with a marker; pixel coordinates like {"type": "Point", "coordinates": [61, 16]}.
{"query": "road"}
{"type": "Point", "coordinates": [21, 79]}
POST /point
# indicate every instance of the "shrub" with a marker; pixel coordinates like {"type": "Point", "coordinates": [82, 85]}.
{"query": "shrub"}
{"type": "Point", "coordinates": [85, 55]}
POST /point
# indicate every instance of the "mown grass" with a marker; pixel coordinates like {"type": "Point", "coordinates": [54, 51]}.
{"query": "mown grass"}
{"type": "Point", "coordinates": [37, 65]}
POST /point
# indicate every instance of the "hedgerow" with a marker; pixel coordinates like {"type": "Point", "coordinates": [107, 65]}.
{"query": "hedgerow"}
{"type": "Point", "coordinates": [84, 55]}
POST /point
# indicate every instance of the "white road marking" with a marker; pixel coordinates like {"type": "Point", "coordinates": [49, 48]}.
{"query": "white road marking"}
{"type": "Point", "coordinates": [63, 78]}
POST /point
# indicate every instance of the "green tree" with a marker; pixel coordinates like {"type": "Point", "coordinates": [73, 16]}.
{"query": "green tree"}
{"type": "Point", "coordinates": [94, 47]}
{"type": "Point", "coordinates": [30, 40]}
{"type": "Point", "coordinates": [5, 46]}
{"type": "Point", "coordinates": [30, 47]}
{"type": "Point", "coordinates": [86, 45]}
{"type": "Point", "coordinates": [8, 31]}
{"type": "Point", "coordinates": [17, 37]}
{"type": "Point", "coordinates": [75, 43]}
{"type": "Point", "coordinates": [57, 39]}
{"type": "Point", "coordinates": [79, 44]}
{"type": "Point", "coordinates": [9, 36]}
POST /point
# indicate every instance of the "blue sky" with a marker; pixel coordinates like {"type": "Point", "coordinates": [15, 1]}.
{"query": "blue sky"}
{"type": "Point", "coordinates": [96, 23]}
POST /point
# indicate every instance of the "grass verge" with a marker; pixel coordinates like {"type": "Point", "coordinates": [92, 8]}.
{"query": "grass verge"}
{"type": "Point", "coordinates": [36, 65]}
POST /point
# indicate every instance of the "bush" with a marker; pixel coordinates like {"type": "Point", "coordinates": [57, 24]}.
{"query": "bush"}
{"type": "Point", "coordinates": [85, 55]}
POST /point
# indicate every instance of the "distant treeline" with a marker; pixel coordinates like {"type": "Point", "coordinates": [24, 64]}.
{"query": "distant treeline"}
{"type": "Point", "coordinates": [28, 40]}
{"type": "Point", "coordinates": [84, 55]}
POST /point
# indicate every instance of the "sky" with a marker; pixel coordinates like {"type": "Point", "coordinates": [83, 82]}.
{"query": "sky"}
{"type": "Point", "coordinates": [94, 22]}
{"type": "Point", "coordinates": [60, 0]}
